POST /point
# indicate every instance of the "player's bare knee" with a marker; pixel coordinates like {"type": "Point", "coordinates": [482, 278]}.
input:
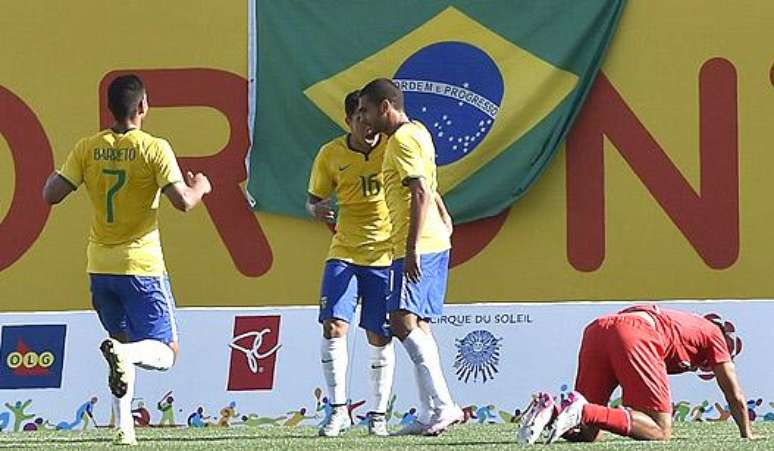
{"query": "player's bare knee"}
{"type": "Point", "coordinates": [377, 340]}
{"type": "Point", "coordinates": [400, 327]}
{"type": "Point", "coordinates": [334, 328]}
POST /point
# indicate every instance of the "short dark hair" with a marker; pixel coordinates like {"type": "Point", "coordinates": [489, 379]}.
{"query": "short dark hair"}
{"type": "Point", "coordinates": [350, 103]}
{"type": "Point", "coordinates": [381, 89]}
{"type": "Point", "coordinates": [124, 94]}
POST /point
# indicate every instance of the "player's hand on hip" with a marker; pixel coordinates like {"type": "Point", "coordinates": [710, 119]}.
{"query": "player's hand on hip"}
{"type": "Point", "coordinates": [198, 180]}
{"type": "Point", "coordinates": [411, 267]}
{"type": "Point", "coordinates": [322, 210]}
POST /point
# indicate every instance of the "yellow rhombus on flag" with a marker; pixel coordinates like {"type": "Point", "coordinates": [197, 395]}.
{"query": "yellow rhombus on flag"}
{"type": "Point", "coordinates": [532, 87]}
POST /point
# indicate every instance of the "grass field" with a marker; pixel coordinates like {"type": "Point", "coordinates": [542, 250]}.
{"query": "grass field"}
{"type": "Point", "coordinates": [687, 436]}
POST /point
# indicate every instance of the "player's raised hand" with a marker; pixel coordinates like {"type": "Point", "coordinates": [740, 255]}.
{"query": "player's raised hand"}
{"type": "Point", "coordinates": [322, 210]}
{"type": "Point", "coordinates": [198, 180]}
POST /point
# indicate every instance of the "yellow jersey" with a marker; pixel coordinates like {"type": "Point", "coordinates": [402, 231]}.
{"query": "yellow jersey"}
{"type": "Point", "coordinates": [363, 227]}
{"type": "Point", "coordinates": [123, 174]}
{"type": "Point", "coordinates": [410, 154]}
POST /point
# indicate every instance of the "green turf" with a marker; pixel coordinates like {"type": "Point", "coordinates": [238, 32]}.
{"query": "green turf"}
{"type": "Point", "coordinates": [687, 436]}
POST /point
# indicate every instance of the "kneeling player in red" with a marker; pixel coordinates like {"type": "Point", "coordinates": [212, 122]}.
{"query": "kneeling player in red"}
{"type": "Point", "coordinates": [637, 348]}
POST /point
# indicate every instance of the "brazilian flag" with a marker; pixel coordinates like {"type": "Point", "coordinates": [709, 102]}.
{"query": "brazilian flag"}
{"type": "Point", "coordinates": [497, 83]}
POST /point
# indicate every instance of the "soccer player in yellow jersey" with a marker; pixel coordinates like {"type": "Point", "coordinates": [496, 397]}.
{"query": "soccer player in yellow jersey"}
{"type": "Point", "coordinates": [124, 170]}
{"type": "Point", "coordinates": [357, 267]}
{"type": "Point", "coordinates": [421, 232]}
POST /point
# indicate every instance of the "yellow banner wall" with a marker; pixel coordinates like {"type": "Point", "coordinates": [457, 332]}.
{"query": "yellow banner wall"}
{"type": "Point", "coordinates": [663, 190]}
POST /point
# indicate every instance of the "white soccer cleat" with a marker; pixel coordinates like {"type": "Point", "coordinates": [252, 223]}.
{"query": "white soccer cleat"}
{"type": "Point", "coordinates": [569, 417]}
{"type": "Point", "coordinates": [337, 423]}
{"type": "Point", "coordinates": [377, 425]}
{"type": "Point", "coordinates": [444, 420]}
{"type": "Point", "coordinates": [124, 438]}
{"type": "Point", "coordinates": [117, 380]}
{"type": "Point", "coordinates": [539, 414]}
{"type": "Point", "coordinates": [415, 428]}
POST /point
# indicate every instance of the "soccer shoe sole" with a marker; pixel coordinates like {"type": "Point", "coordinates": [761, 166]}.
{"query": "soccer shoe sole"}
{"type": "Point", "coordinates": [536, 420]}
{"type": "Point", "coordinates": [115, 377]}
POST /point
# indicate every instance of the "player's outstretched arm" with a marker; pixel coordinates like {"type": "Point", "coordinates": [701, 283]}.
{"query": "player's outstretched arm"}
{"type": "Point", "coordinates": [56, 189]}
{"type": "Point", "coordinates": [725, 373]}
{"type": "Point", "coordinates": [185, 196]}
{"type": "Point", "coordinates": [320, 208]}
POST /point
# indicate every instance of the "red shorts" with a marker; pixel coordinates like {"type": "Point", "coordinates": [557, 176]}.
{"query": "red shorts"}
{"type": "Point", "coordinates": [624, 350]}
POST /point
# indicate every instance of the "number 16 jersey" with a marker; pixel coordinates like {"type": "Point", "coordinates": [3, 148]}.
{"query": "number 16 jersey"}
{"type": "Point", "coordinates": [123, 174]}
{"type": "Point", "coordinates": [363, 225]}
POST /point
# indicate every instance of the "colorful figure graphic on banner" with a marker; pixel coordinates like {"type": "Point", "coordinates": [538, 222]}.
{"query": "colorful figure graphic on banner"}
{"type": "Point", "coordinates": [514, 418]}
{"type": "Point", "coordinates": [681, 410]}
{"type": "Point", "coordinates": [296, 417]}
{"type": "Point", "coordinates": [254, 420]}
{"type": "Point", "coordinates": [698, 412]}
{"type": "Point", "coordinates": [19, 416]}
{"type": "Point", "coordinates": [83, 414]}
{"type": "Point", "coordinates": [327, 410]}
{"type": "Point", "coordinates": [319, 400]}
{"type": "Point", "coordinates": [409, 417]}
{"type": "Point", "coordinates": [390, 408]}
{"type": "Point", "coordinates": [141, 415]}
{"type": "Point", "coordinates": [198, 419]}
{"type": "Point", "coordinates": [724, 413]}
{"type": "Point", "coordinates": [226, 414]}
{"type": "Point", "coordinates": [768, 417]}
{"type": "Point", "coordinates": [167, 410]}
{"type": "Point", "coordinates": [485, 414]}
{"type": "Point", "coordinates": [5, 420]}
{"type": "Point", "coordinates": [39, 424]}
{"type": "Point", "coordinates": [752, 405]}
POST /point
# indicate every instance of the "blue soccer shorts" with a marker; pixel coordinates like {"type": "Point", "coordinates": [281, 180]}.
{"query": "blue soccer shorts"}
{"type": "Point", "coordinates": [424, 298]}
{"type": "Point", "coordinates": [140, 306]}
{"type": "Point", "coordinates": [344, 283]}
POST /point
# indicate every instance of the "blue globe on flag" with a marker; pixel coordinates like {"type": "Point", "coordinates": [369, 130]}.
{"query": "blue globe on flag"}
{"type": "Point", "coordinates": [455, 89]}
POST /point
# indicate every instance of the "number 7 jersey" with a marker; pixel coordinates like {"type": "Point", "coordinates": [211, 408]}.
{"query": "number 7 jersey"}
{"type": "Point", "coordinates": [123, 174]}
{"type": "Point", "coordinates": [363, 225]}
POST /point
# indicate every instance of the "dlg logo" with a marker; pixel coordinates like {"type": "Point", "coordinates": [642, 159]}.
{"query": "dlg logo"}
{"type": "Point", "coordinates": [32, 356]}
{"type": "Point", "coordinates": [253, 353]}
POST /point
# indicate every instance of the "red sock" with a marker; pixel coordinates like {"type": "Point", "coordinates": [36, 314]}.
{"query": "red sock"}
{"type": "Point", "coordinates": [616, 421]}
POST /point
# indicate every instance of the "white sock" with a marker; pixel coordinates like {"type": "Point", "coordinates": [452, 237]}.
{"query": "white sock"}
{"type": "Point", "coordinates": [123, 405]}
{"type": "Point", "coordinates": [333, 353]}
{"type": "Point", "coordinates": [148, 354]}
{"type": "Point", "coordinates": [423, 352]}
{"type": "Point", "coordinates": [426, 406]}
{"type": "Point", "coordinates": [382, 370]}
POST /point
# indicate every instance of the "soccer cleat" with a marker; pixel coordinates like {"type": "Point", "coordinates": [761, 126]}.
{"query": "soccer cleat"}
{"type": "Point", "coordinates": [569, 417]}
{"type": "Point", "coordinates": [337, 423]}
{"type": "Point", "coordinates": [444, 420]}
{"type": "Point", "coordinates": [117, 375]}
{"type": "Point", "coordinates": [377, 424]}
{"type": "Point", "coordinates": [125, 439]}
{"type": "Point", "coordinates": [539, 414]}
{"type": "Point", "coordinates": [415, 428]}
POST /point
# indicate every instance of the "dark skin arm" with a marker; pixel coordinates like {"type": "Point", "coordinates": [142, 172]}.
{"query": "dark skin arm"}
{"type": "Point", "coordinates": [56, 189]}
{"type": "Point", "coordinates": [421, 199]}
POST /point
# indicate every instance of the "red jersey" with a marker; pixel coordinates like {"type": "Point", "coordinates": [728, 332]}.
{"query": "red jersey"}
{"type": "Point", "coordinates": [690, 341]}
